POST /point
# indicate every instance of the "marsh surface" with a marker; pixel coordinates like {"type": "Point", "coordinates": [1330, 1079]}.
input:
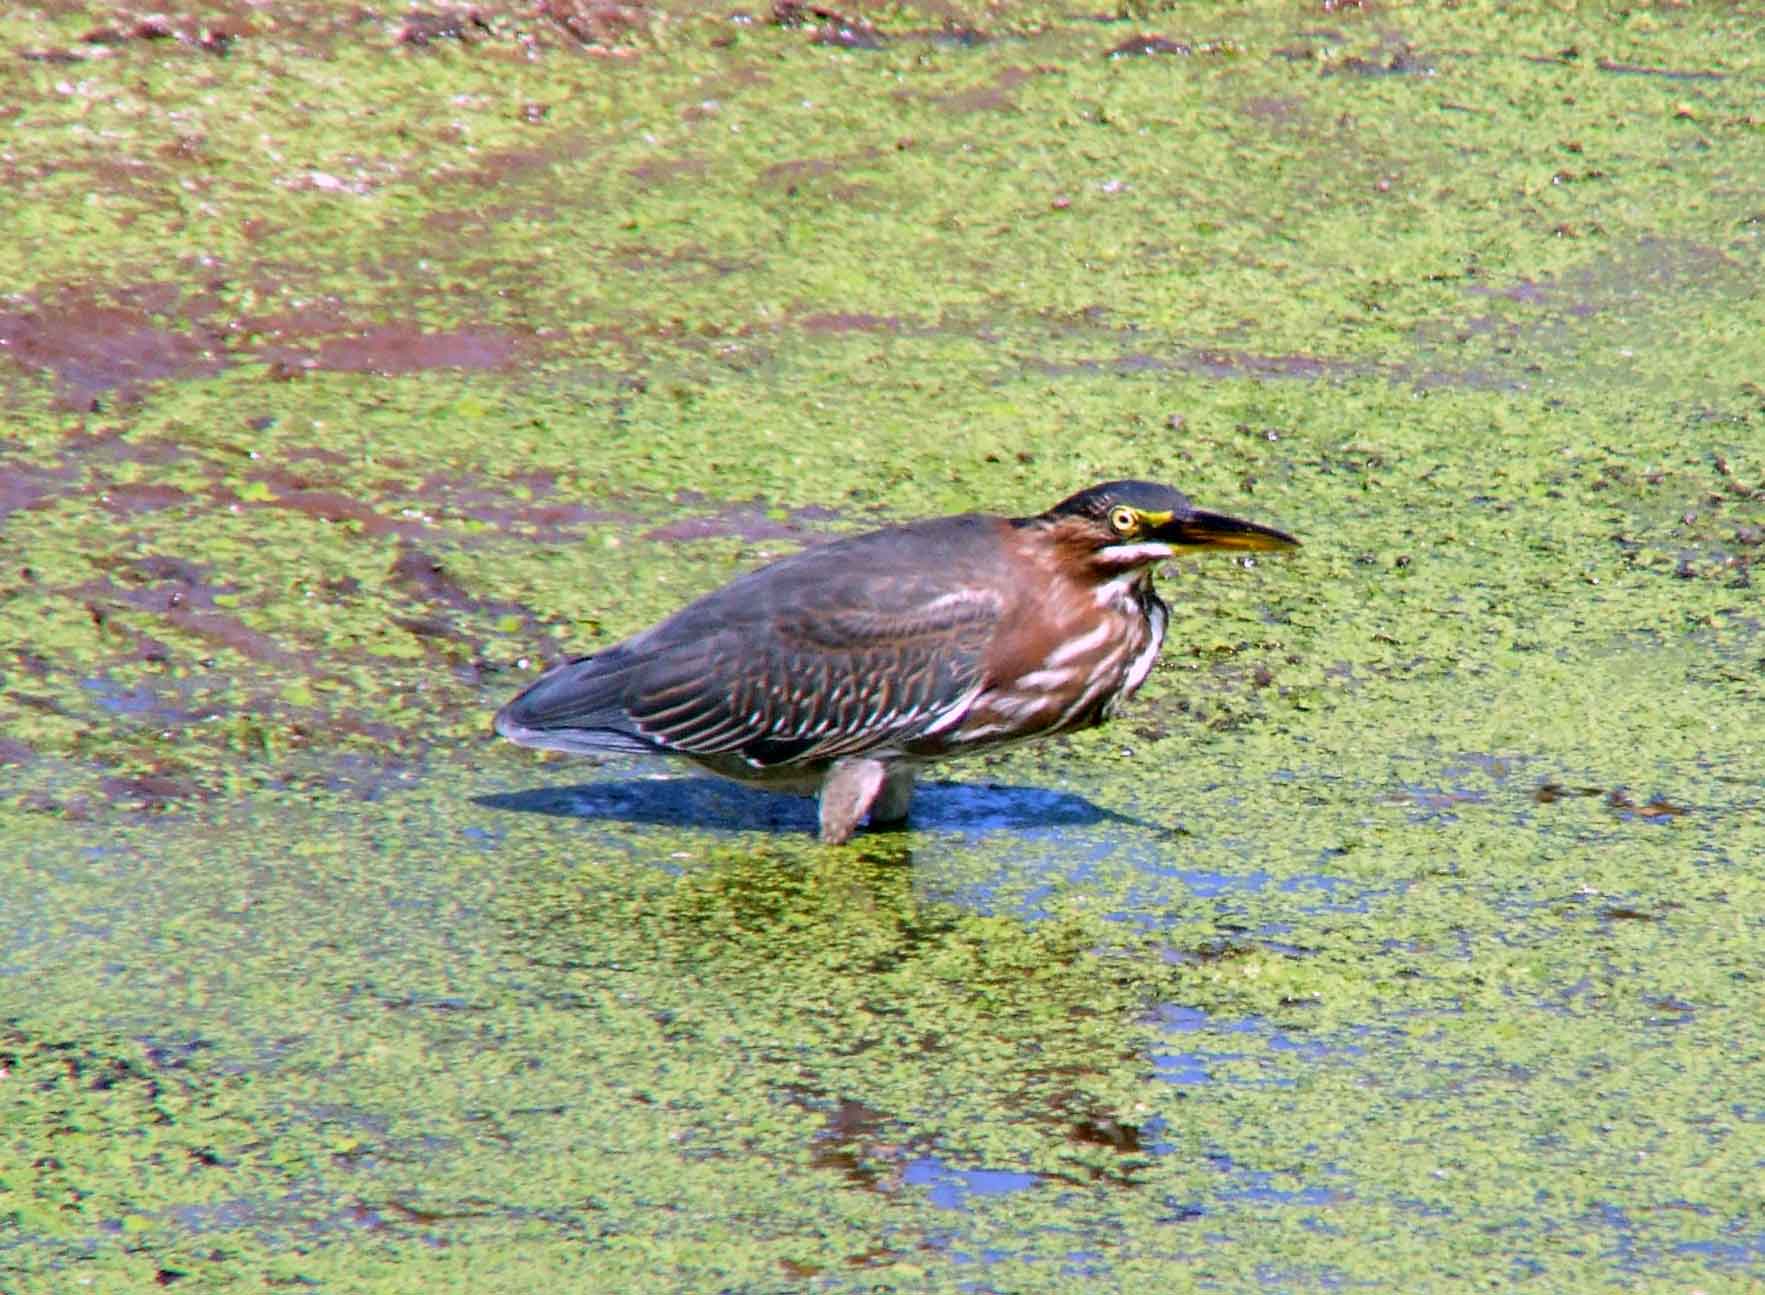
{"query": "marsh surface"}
{"type": "Point", "coordinates": [1404, 934]}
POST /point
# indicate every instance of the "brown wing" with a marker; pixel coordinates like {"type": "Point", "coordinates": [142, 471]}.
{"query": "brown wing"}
{"type": "Point", "coordinates": [853, 647]}
{"type": "Point", "coordinates": [822, 684]}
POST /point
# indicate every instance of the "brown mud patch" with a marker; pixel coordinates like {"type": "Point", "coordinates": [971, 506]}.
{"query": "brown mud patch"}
{"type": "Point", "coordinates": [529, 504]}
{"type": "Point", "coordinates": [27, 485]}
{"type": "Point", "coordinates": [752, 521]}
{"type": "Point", "coordinates": [1669, 73]}
{"type": "Point", "coordinates": [115, 343]}
{"type": "Point", "coordinates": [798, 171]}
{"type": "Point", "coordinates": [1214, 362]}
{"type": "Point", "coordinates": [1275, 109]}
{"type": "Point", "coordinates": [1143, 46]}
{"type": "Point", "coordinates": [835, 322]}
{"type": "Point", "coordinates": [1658, 267]}
{"type": "Point", "coordinates": [405, 348]}
{"type": "Point", "coordinates": [997, 94]}
{"type": "Point", "coordinates": [91, 348]}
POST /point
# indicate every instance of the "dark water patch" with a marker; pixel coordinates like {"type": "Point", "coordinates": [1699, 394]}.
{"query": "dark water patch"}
{"type": "Point", "coordinates": [1178, 1018]}
{"type": "Point", "coordinates": [1225, 948]}
{"type": "Point", "coordinates": [108, 174]}
{"type": "Point", "coordinates": [1189, 1069]}
{"type": "Point", "coordinates": [1244, 1185]}
{"type": "Point", "coordinates": [1650, 265]}
{"type": "Point", "coordinates": [1205, 884]}
{"type": "Point", "coordinates": [462, 225]}
{"type": "Point", "coordinates": [668, 802]}
{"type": "Point", "coordinates": [1669, 1011]}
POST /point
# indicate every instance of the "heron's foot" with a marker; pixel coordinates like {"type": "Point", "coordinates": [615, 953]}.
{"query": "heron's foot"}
{"type": "Point", "coordinates": [895, 798]}
{"type": "Point", "coordinates": [846, 796]}
{"type": "Point", "coordinates": [857, 787]}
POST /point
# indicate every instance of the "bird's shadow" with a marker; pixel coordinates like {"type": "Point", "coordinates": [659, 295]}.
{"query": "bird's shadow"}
{"type": "Point", "coordinates": [695, 802]}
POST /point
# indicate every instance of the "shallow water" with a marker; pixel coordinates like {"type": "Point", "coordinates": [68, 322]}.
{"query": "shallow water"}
{"type": "Point", "coordinates": [1404, 933]}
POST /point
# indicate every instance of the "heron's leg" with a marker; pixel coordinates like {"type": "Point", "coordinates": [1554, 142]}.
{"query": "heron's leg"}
{"type": "Point", "coordinates": [896, 795]}
{"type": "Point", "coordinates": [846, 795]}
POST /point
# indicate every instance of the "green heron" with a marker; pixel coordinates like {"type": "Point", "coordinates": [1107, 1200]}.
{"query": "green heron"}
{"type": "Point", "coordinates": [846, 667]}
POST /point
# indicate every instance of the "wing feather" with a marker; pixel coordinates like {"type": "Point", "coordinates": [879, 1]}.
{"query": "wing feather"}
{"type": "Point", "coordinates": [812, 658]}
{"type": "Point", "coordinates": [817, 687]}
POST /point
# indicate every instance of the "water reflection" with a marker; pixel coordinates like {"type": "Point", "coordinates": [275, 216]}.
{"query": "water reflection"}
{"type": "Point", "coordinates": [704, 802]}
{"type": "Point", "coordinates": [950, 1188]}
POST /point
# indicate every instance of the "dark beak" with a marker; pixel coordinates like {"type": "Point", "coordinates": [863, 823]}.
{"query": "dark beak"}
{"type": "Point", "coordinates": [1199, 530]}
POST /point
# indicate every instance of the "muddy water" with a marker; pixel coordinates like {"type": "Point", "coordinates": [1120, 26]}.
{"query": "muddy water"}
{"type": "Point", "coordinates": [1403, 933]}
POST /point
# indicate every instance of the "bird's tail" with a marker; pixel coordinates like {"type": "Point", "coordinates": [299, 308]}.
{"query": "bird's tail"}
{"type": "Point", "coordinates": [577, 707]}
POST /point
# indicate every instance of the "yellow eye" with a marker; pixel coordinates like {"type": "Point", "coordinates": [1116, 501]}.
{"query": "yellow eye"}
{"type": "Point", "coordinates": [1123, 519]}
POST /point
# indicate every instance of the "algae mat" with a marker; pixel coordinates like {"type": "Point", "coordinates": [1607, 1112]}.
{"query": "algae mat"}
{"type": "Point", "coordinates": [1404, 934]}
